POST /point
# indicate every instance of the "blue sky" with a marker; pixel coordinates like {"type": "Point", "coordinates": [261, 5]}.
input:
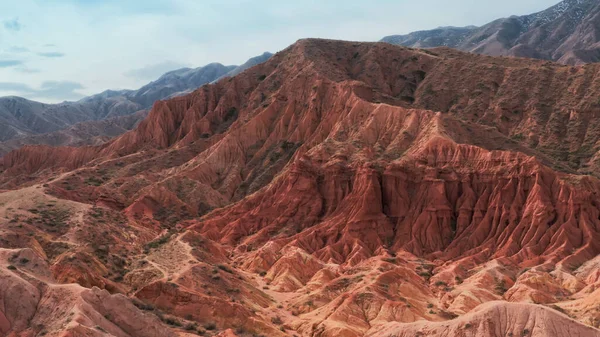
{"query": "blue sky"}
{"type": "Point", "coordinates": [55, 50]}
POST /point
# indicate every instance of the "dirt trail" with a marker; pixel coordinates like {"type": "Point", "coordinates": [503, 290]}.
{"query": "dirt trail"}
{"type": "Point", "coordinates": [173, 258]}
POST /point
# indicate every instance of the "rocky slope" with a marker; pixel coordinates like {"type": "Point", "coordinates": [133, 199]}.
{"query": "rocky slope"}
{"type": "Point", "coordinates": [99, 117]}
{"type": "Point", "coordinates": [338, 189]}
{"type": "Point", "coordinates": [177, 81]}
{"type": "Point", "coordinates": [249, 64]}
{"type": "Point", "coordinates": [564, 33]}
{"type": "Point", "coordinates": [20, 117]}
{"type": "Point", "coordinates": [84, 133]}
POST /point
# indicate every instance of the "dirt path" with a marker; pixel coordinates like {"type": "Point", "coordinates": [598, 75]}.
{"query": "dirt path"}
{"type": "Point", "coordinates": [173, 258]}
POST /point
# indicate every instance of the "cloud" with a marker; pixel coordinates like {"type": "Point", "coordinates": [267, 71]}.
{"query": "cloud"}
{"type": "Point", "coordinates": [27, 70]}
{"type": "Point", "coordinates": [60, 89]}
{"type": "Point", "coordinates": [52, 90]}
{"type": "Point", "coordinates": [15, 87]}
{"type": "Point", "coordinates": [12, 24]}
{"type": "Point", "coordinates": [51, 54]}
{"type": "Point", "coordinates": [10, 63]}
{"type": "Point", "coordinates": [18, 49]}
{"type": "Point", "coordinates": [152, 72]}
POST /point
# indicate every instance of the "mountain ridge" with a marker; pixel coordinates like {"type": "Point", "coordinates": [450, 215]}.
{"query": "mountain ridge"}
{"type": "Point", "coordinates": [26, 122]}
{"type": "Point", "coordinates": [339, 189]}
{"type": "Point", "coordinates": [563, 33]}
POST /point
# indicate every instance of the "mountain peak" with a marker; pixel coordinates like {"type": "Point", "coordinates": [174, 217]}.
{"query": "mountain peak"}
{"type": "Point", "coordinates": [570, 24]}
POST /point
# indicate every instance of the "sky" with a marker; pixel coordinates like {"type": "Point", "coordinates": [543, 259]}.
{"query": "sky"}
{"type": "Point", "coordinates": [56, 50]}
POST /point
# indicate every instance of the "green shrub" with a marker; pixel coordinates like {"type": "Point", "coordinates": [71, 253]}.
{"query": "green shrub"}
{"type": "Point", "coordinates": [501, 287]}
{"type": "Point", "coordinates": [225, 268]}
{"type": "Point", "coordinates": [191, 326]}
{"type": "Point", "coordinates": [210, 326]}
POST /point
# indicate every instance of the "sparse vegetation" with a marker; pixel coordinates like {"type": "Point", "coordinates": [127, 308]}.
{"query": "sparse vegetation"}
{"type": "Point", "coordinates": [523, 271]}
{"type": "Point", "coordinates": [501, 287]}
{"type": "Point", "coordinates": [141, 305]}
{"type": "Point", "coordinates": [11, 267]}
{"type": "Point", "coordinates": [210, 326]}
{"type": "Point", "coordinates": [191, 326]}
{"type": "Point", "coordinates": [390, 260]}
{"type": "Point", "coordinates": [557, 308]}
{"type": "Point", "coordinates": [159, 242]}
{"type": "Point", "coordinates": [94, 181]}
{"type": "Point", "coordinates": [172, 321]}
{"type": "Point", "coordinates": [447, 314]}
{"type": "Point", "coordinates": [225, 268]}
{"type": "Point", "coordinates": [425, 274]}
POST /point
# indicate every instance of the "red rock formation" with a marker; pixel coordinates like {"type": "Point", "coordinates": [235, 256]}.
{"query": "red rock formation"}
{"type": "Point", "coordinates": [363, 183]}
{"type": "Point", "coordinates": [495, 319]}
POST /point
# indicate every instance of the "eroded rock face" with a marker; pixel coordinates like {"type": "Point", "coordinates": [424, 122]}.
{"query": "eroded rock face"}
{"type": "Point", "coordinates": [339, 189]}
{"type": "Point", "coordinates": [495, 319]}
{"type": "Point", "coordinates": [33, 304]}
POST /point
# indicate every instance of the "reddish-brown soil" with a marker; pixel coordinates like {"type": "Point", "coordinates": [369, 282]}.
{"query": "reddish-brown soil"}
{"type": "Point", "coordinates": [339, 189]}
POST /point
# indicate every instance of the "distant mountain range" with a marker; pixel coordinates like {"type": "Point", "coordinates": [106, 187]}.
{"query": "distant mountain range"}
{"type": "Point", "coordinates": [97, 118]}
{"type": "Point", "coordinates": [566, 33]}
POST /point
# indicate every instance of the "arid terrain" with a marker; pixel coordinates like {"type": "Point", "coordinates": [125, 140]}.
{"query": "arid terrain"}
{"type": "Point", "coordinates": [566, 32]}
{"type": "Point", "coordinates": [339, 189]}
{"type": "Point", "coordinates": [96, 119]}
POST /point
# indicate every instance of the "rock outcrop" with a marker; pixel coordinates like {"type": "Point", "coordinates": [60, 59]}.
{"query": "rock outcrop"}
{"type": "Point", "coordinates": [338, 189]}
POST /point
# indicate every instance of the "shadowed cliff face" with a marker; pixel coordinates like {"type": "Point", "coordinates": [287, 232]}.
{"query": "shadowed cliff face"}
{"type": "Point", "coordinates": [338, 189]}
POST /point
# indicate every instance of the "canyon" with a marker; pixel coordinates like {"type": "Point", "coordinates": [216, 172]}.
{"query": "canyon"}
{"type": "Point", "coordinates": [338, 189]}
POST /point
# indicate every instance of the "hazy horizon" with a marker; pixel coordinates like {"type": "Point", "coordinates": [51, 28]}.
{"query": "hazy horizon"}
{"type": "Point", "coordinates": [59, 50]}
